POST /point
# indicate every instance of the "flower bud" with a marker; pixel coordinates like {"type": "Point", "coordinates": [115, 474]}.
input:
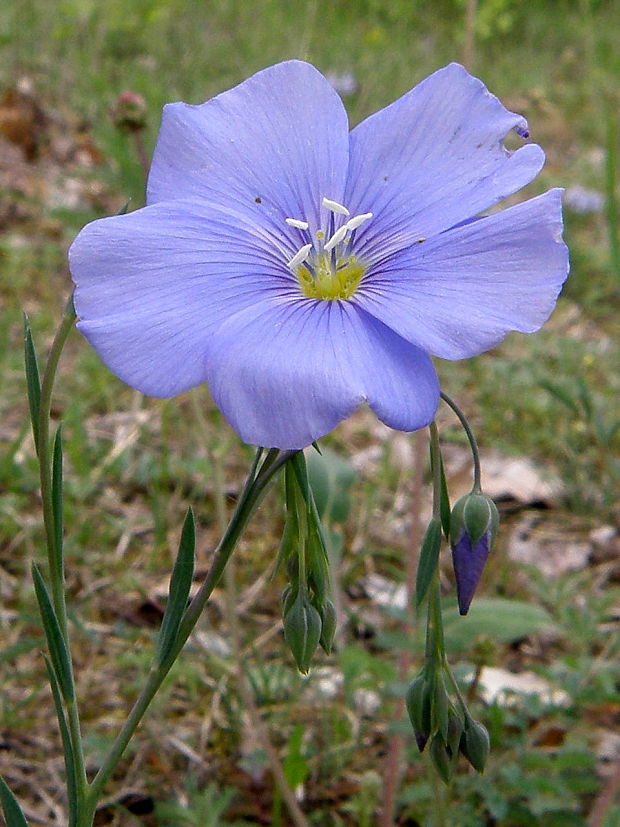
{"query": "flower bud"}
{"type": "Point", "coordinates": [473, 526]}
{"type": "Point", "coordinates": [474, 743]}
{"type": "Point", "coordinates": [302, 631]}
{"type": "Point", "coordinates": [418, 701]}
{"type": "Point", "coordinates": [129, 112]}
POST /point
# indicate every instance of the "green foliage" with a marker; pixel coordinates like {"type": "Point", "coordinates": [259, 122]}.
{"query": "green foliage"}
{"type": "Point", "coordinates": [206, 807]}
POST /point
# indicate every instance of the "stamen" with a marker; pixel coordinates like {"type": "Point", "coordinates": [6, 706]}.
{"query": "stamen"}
{"type": "Point", "coordinates": [300, 256]}
{"type": "Point", "coordinates": [334, 206]}
{"type": "Point", "coordinates": [357, 220]}
{"type": "Point", "coordinates": [295, 222]}
{"type": "Point", "coordinates": [336, 238]}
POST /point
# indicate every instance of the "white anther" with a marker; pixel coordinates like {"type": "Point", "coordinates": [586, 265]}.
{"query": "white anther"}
{"type": "Point", "coordinates": [334, 206]}
{"type": "Point", "coordinates": [295, 222]}
{"type": "Point", "coordinates": [300, 256]}
{"type": "Point", "coordinates": [357, 220]}
{"type": "Point", "coordinates": [336, 238]}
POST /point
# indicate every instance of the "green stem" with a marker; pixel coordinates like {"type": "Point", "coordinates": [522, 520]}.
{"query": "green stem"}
{"type": "Point", "coordinates": [54, 548]}
{"type": "Point", "coordinates": [470, 436]}
{"type": "Point", "coordinates": [254, 489]}
{"type": "Point", "coordinates": [435, 649]}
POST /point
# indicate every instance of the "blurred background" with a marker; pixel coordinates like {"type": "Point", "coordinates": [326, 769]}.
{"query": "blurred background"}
{"type": "Point", "coordinates": [82, 84]}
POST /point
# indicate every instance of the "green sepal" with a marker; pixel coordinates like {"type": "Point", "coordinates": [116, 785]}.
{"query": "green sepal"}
{"type": "Point", "coordinates": [441, 757]}
{"type": "Point", "coordinates": [302, 631]}
{"type": "Point", "coordinates": [13, 813]}
{"type": "Point", "coordinates": [180, 584]}
{"type": "Point", "coordinates": [33, 381]}
{"type": "Point", "coordinates": [455, 730]}
{"type": "Point", "coordinates": [327, 611]}
{"type": "Point", "coordinates": [67, 746]}
{"type": "Point", "coordinates": [475, 744]}
{"type": "Point", "coordinates": [59, 654]}
{"type": "Point", "coordinates": [475, 514]}
{"type": "Point", "coordinates": [429, 556]}
{"type": "Point", "coordinates": [439, 708]}
{"type": "Point", "coordinates": [57, 502]}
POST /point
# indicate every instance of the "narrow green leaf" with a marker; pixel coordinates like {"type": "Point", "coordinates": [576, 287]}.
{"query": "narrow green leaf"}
{"type": "Point", "coordinates": [180, 584]}
{"type": "Point", "coordinates": [67, 746]}
{"type": "Point", "coordinates": [55, 641]}
{"type": "Point", "coordinates": [429, 555]}
{"type": "Point", "coordinates": [13, 813]}
{"type": "Point", "coordinates": [444, 501]}
{"type": "Point", "coordinates": [560, 393]}
{"type": "Point", "coordinates": [57, 508]}
{"type": "Point", "coordinates": [33, 381]}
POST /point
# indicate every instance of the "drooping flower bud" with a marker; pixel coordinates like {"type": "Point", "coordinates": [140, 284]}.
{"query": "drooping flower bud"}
{"type": "Point", "coordinates": [418, 702]}
{"type": "Point", "coordinates": [302, 631]}
{"type": "Point", "coordinates": [473, 526]}
{"type": "Point", "coordinates": [474, 743]}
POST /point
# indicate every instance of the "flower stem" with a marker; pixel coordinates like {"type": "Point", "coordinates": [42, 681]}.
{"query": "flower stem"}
{"type": "Point", "coordinates": [54, 547]}
{"type": "Point", "coordinates": [470, 436]}
{"type": "Point", "coordinates": [254, 489]}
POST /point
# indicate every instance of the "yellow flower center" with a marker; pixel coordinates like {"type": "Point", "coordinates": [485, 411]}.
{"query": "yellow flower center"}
{"type": "Point", "coordinates": [325, 266]}
{"type": "Point", "coordinates": [328, 281]}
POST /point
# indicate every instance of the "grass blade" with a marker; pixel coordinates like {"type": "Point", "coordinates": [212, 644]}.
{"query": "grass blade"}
{"type": "Point", "coordinates": [13, 813]}
{"type": "Point", "coordinates": [67, 746]}
{"type": "Point", "coordinates": [33, 380]}
{"type": "Point", "coordinates": [180, 583]}
{"type": "Point", "coordinates": [55, 641]}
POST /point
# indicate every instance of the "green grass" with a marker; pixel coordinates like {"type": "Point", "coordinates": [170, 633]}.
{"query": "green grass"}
{"type": "Point", "coordinates": [133, 464]}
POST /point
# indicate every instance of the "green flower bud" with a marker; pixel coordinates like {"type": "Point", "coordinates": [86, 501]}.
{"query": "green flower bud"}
{"type": "Point", "coordinates": [473, 526]}
{"type": "Point", "coordinates": [418, 701]}
{"type": "Point", "coordinates": [475, 744]}
{"type": "Point", "coordinates": [302, 631]}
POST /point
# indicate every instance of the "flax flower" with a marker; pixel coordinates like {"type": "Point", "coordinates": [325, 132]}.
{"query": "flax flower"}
{"type": "Point", "coordinates": [300, 269]}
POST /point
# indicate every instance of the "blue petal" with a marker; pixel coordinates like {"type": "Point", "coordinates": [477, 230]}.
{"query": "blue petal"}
{"type": "Point", "coordinates": [284, 375]}
{"type": "Point", "coordinates": [280, 137]}
{"type": "Point", "coordinates": [432, 159]}
{"type": "Point", "coordinates": [468, 562]}
{"type": "Point", "coordinates": [153, 285]}
{"type": "Point", "coordinates": [462, 291]}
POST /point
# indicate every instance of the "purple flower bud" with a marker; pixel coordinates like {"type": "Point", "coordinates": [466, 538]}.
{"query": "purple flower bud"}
{"type": "Point", "coordinates": [473, 525]}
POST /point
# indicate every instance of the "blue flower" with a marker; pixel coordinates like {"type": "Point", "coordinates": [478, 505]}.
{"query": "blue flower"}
{"type": "Point", "coordinates": [301, 270]}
